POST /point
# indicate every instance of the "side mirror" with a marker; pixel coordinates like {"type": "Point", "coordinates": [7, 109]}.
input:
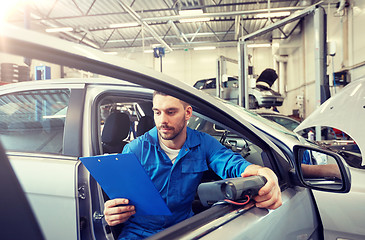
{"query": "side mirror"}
{"type": "Point", "coordinates": [321, 169]}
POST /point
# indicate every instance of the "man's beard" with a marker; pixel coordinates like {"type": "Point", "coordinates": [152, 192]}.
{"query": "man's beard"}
{"type": "Point", "coordinates": [175, 131]}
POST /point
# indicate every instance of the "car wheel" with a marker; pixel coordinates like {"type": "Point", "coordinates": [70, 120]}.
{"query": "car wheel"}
{"type": "Point", "coordinates": [252, 103]}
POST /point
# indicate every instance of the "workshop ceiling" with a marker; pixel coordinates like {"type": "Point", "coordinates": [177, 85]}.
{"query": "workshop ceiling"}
{"type": "Point", "coordinates": [112, 25]}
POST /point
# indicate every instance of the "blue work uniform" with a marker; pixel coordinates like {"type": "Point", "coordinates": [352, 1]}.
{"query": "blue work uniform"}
{"type": "Point", "coordinates": [307, 158]}
{"type": "Point", "coordinates": [178, 182]}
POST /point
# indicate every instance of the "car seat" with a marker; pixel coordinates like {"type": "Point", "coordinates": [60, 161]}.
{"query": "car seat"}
{"type": "Point", "coordinates": [116, 129]}
{"type": "Point", "coordinates": [144, 124]}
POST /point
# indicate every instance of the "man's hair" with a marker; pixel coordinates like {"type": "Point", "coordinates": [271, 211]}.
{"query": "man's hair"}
{"type": "Point", "coordinates": [185, 104]}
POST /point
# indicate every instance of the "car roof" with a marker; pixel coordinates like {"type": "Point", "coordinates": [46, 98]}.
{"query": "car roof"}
{"type": "Point", "coordinates": [265, 111]}
{"type": "Point", "coordinates": [67, 81]}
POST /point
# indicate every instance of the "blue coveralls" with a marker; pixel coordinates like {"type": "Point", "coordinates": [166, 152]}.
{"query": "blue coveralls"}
{"type": "Point", "coordinates": [178, 182]}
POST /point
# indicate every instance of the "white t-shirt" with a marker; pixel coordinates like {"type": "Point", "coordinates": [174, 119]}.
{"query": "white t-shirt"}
{"type": "Point", "coordinates": [171, 153]}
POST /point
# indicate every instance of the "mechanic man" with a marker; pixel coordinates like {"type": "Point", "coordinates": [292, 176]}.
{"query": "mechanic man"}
{"type": "Point", "coordinates": [175, 158]}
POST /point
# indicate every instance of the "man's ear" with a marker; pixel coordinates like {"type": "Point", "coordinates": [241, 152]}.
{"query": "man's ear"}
{"type": "Point", "coordinates": [188, 112]}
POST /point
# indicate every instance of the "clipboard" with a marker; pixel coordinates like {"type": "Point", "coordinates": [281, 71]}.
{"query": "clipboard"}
{"type": "Point", "coordinates": [123, 176]}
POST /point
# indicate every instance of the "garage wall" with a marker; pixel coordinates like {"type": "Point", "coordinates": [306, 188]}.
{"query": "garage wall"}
{"type": "Point", "coordinates": [345, 29]}
{"type": "Point", "coordinates": [300, 85]}
{"type": "Point", "coordinates": [187, 66]}
{"type": "Point", "coordinates": [261, 59]}
{"type": "Point", "coordinates": [11, 59]}
{"type": "Point", "coordinates": [354, 40]}
{"type": "Point", "coordinates": [8, 58]}
{"type": "Point", "coordinates": [191, 65]}
{"type": "Point", "coordinates": [295, 83]}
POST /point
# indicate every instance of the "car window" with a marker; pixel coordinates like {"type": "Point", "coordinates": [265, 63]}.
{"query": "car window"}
{"type": "Point", "coordinates": [266, 121]}
{"type": "Point", "coordinates": [211, 83]}
{"type": "Point", "coordinates": [199, 84]}
{"type": "Point", "coordinates": [287, 123]}
{"type": "Point", "coordinates": [33, 120]}
{"type": "Point", "coordinates": [122, 119]}
{"type": "Point", "coordinates": [231, 83]}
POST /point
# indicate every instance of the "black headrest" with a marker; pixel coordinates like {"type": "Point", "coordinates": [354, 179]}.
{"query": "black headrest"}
{"type": "Point", "coordinates": [144, 125]}
{"type": "Point", "coordinates": [116, 128]}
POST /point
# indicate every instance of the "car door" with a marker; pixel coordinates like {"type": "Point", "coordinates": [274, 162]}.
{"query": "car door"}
{"type": "Point", "coordinates": [40, 133]}
{"type": "Point", "coordinates": [103, 99]}
{"type": "Point", "coordinates": [349, 206]}
{"type": "Point", "coordinates": [252, 222]}
{"type": "Point", "coordinates": [297, 218]}
{"type": "Point", "coordinates": [242, 222]}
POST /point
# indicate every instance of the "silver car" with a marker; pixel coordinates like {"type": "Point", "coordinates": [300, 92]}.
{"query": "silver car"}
{"type": "Point", "coordinates": [257, 96]}
{"type": "Point", "coordinates": [47, 125]}
{"type": "Point", "coordinates": [344, 111]}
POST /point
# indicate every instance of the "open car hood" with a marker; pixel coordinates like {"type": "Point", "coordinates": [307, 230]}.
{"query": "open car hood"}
{"type": "Point", "coordinates": [344, 111]}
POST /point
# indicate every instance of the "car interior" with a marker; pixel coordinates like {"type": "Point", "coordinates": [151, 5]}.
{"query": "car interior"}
{"type": "Point", "coordinates": [123, 119]}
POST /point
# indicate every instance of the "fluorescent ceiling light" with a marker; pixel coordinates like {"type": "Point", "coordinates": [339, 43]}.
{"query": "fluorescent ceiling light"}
{"type": "Point", "coordinates": [195, 15]}
{"type": "Point", "coordinates": [205, 48]}
{"type": "Point", "coordinates": [273, 14]}
{"type": "Point", "coordinates": [190, 12]}
{"type": "Point", "coordinates": [121, 25]}
{"type": "Point", "coordinates": [148, 51]}
{"type": "Point", "coordinates": [258, 45]}
{"type": "Point", "coordinates": [61, 29]}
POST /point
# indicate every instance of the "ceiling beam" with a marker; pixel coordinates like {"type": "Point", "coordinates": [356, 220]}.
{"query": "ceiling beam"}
{"type": "Point", "coordinates": [205, 34]}
{"type": "Point", "coordinates": [291, 18]}
{"type": "Point", "coordinates": [179, 46]}
{"type": "Point", "coordinates": [196, 33]}
{"type": "Point", "coordinates": [177, 31]}
{"type": "Point", "coordinates": [220, 14]}
{"type": "Point", "coordinates": [173, 8]}
{"type": "Point", "coordinates": [91, 6]}
{"type": "Point", "coordinates": [80, 37]}
{"type": "Point", "coordinates": [145, 25]}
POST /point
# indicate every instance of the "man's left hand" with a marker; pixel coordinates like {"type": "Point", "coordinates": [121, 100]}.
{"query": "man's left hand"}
{"type": "Point", "coordinates": [269, 196]}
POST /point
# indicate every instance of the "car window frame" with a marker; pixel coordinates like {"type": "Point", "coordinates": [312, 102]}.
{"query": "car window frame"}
{"type": "Point", "coordinates": [32, 98]}
{"type": "Point", "coordinates": [95, 120]}
{"type": "Point", "coordinates": [72, 144]}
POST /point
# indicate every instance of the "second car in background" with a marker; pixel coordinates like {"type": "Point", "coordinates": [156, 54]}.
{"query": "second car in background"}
{"type": "Point", "coordinates": [258, 96]}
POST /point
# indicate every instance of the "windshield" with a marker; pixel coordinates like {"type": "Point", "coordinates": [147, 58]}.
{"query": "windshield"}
{"type": "Point", "coordinates": [240, 110]}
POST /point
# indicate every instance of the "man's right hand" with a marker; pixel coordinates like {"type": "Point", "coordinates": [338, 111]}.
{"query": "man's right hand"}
{"type": "Point", "coordinates": [117, 211]}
